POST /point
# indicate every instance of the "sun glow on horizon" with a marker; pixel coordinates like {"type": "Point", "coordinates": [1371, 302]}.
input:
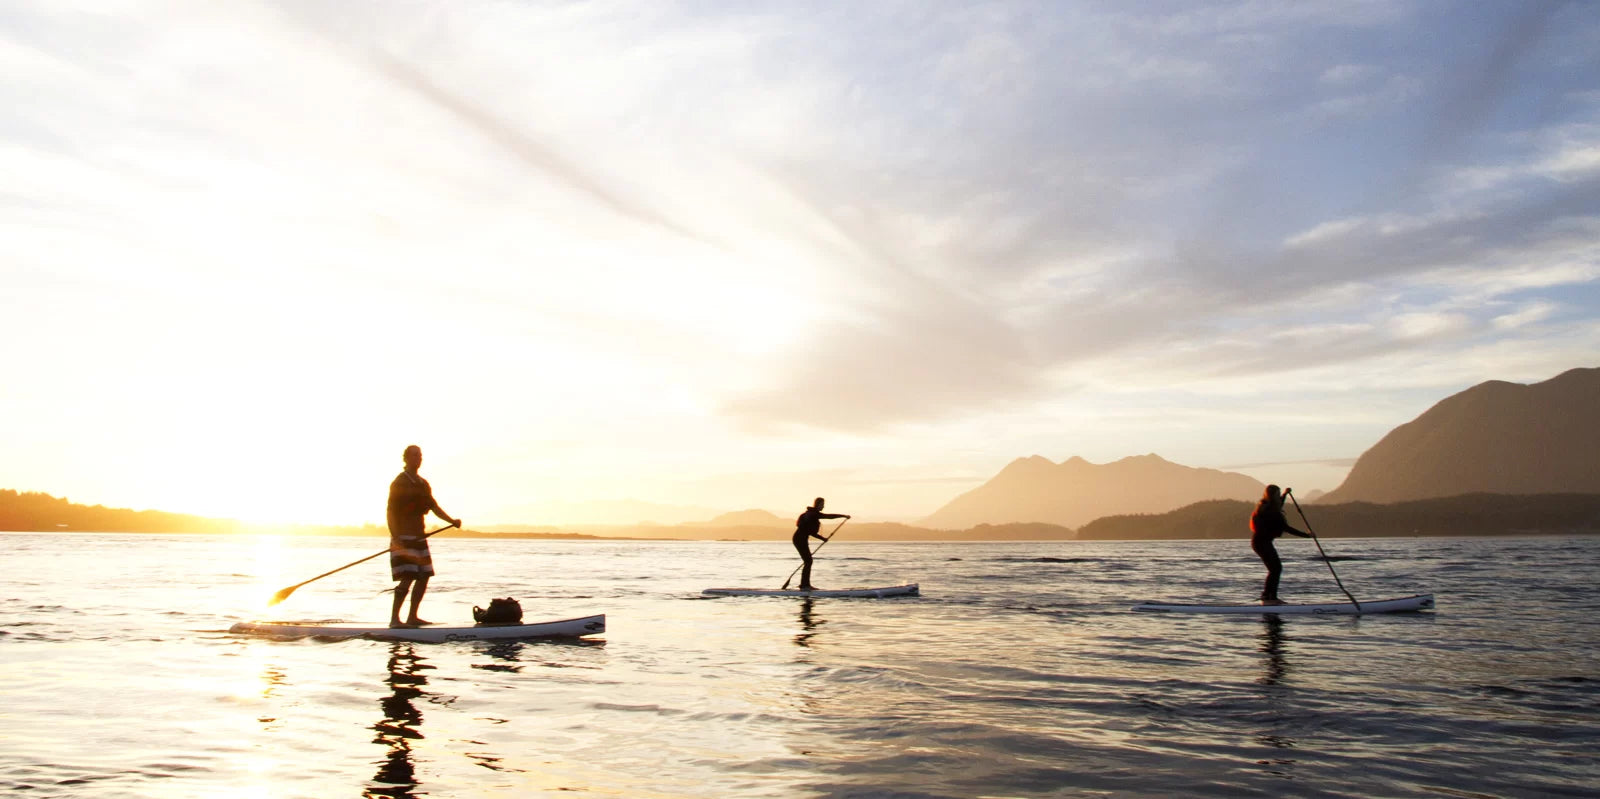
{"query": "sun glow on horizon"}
{"type": "Point", "coordinates": [701, 256]}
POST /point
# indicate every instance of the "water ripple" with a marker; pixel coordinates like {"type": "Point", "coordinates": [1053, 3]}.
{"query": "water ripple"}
{"type": "Point", "coordinates": [1018, 672]}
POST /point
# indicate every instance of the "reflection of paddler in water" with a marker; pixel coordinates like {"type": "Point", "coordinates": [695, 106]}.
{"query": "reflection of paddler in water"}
{"type": "Point", "coordinates": [410, 562]}
{"type": "Point", "coordinates": [1271, 638]}
{"type": "Point", "coordinates": [808, 526]}
{"type": "Point", "coordinates": [808, 622]}
{"type": "Point", "coordinates": [401, 722]}
{"type": "Point", "coordinates": [1280, 718]}
{"type": "Point", "coordinates": [1266, 524]}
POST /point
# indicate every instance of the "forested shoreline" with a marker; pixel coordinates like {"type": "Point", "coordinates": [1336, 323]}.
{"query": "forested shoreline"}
{"type": "Point", "coordinates": [1466, 515]}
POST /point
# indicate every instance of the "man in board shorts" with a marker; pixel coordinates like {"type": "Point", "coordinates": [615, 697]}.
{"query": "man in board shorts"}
{"type": "Point", "coordinates": [410, 563]}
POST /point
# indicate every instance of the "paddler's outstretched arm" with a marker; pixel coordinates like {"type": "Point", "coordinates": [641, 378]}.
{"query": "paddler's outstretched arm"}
{"type": "Point", "coordinates": [819, 534]}
{"type": "Point", "coordinates": [438, 511]}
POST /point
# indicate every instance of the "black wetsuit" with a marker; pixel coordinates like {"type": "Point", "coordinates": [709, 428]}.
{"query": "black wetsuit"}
{"type": "Point", "coordinates": [1266, 524]}
{"type": "Point", "coordinates": [809, 525]}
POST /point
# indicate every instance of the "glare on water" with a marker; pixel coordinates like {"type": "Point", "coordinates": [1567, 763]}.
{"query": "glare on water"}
{"type": "Point", "coordinates": [1020, 671]}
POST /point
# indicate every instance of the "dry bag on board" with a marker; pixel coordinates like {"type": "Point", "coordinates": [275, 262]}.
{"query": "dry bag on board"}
{"type": "Point", "coordinates": [500, 611]}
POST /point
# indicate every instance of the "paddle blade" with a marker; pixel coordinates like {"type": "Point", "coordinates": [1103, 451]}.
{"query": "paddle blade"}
{"type": "Point", "coordinates": [281, 595]}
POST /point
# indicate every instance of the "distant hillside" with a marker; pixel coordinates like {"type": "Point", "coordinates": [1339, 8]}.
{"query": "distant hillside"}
{"type": "Point", "coordinates": [1076, 491]}
{"type": "Point", "coordinates": [36, 512]}
{"type": "Point", "coordinates": [864, 531]}
{"type": "Point", "coordinates": [1504, 438]}
{"type": "Point", "coordinates": [749, 518]}
{"type": "Point", "coordinates": [1471, 514]}
{"type": "Point", "coordinates": [32, 512]}
{"type": "Point", "coordinates": [42, 513]}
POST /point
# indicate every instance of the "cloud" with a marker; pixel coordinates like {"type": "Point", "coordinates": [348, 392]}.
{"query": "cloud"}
{"type": "Point", "coordinates": [1530, 313]}
{"type": "Point", "coordinates": [796, 218]}
{"type": "Point", "coordinates": [910, 362]}
{"type": "Point", "coordinates": [1345, 74]}
{"type": "Point", "coordinates": [1049, 242]}
{"type": "Point", "coordinates": [542, 157]}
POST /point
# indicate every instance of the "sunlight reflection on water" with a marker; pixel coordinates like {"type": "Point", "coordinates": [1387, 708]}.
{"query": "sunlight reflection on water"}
{"type": "Point", "coordinates": [1020, 671]}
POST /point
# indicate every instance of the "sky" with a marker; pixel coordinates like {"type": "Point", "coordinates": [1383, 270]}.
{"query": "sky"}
{"type": "Point", "coordinates": [617, 260]}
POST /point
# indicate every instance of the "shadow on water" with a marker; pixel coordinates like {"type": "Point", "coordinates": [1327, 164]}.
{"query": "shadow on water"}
{"type": "Point", "coordinates": [401, 723]}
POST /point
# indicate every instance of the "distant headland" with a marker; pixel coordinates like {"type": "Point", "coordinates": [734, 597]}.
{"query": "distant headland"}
{"type": "Point", "coordinates": [1495, 459]}
{"type": "Point", "coordinates": [1467, 515]}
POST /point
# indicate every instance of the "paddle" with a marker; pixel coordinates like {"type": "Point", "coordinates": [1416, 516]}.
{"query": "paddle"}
{"type": "Point", "coordinates": [814, 551]}
{"type": "Point", "coordinates": [284, 594]}
{"type": "Point", "coordinates": [1318, 542]}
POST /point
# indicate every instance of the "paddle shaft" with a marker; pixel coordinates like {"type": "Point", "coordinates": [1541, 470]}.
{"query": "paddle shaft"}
{"type": "Point", "coordinates": [814, 551]}
{"type": "Point", "coordinates": [1318, 542]}
{"type": "Point", "coordinates": [284, 594]}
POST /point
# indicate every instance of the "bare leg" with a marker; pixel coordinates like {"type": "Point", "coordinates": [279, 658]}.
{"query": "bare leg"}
{"type": "Point", "coordinates": [416, 599]}
{"type": "Point", "coordinates": [400, 590]}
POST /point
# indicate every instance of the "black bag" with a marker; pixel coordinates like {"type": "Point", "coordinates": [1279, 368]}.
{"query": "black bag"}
{"type": "Point", "coordinates": [500, 611]}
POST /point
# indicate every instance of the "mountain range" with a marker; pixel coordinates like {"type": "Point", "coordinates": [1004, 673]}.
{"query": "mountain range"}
{"type": "Point", "coordinates": [1075, 492]}
{"type": "Point", "coordinates": [1460, 515]}
{"type": "Point", "coordinates": [1496, 437]}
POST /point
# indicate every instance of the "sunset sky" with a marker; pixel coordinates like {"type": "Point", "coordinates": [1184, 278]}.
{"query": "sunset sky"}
{"type": "Point", "coordinates": [720, 255]}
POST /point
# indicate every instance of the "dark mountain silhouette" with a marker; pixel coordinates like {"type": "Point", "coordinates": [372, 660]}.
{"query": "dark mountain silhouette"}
{"type": "Point", "coordinates": [1075, 492]}
{"type": "Point", "coordinates": [32, 511]}
{"type": "Point", "coordinates": [35, 511]}
{"type": "Point", "coordinates": [1496, 437]}
{"type": "Point", "coordinates": [860, 531]}
{"type": "Point", "coordinates": [42, 513]}
{"type": "Point", "coordinates": [1466, 515]}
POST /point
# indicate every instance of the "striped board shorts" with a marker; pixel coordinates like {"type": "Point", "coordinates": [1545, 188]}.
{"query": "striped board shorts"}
{"type": "Point", "coordinates": [409, 558]}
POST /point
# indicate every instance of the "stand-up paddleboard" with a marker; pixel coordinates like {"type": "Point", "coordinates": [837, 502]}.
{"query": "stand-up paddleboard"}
{"type": "Point", "coordinates": [1400, 605]}
{"type": "Point", "coordinates": [909, 589]}
{"type": "Point", "coordinates": [432, 634]}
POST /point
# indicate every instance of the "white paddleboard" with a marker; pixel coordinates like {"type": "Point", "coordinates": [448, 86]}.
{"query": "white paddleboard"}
{"type": "Point", "coordinates": [432, 634]}
{"type": "Point", "coordinates": [1400, 605]}
{"type": "Point", "coordinates": [909, 589]}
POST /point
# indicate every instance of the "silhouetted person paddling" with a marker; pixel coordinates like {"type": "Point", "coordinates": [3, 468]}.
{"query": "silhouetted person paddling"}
{"type": "Point", "coordinates": [410, 563]}
{"type": "Point", "coordinates": [1266, 524]}
{"type": "Point", "coordinates": [807, 526]}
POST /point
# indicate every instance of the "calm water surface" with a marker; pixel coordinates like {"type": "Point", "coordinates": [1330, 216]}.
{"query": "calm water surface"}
{"type": "Point", "coordinates": [1018, 672]}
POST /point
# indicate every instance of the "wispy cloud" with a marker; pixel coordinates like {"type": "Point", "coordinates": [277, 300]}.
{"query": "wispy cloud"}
{"type": "Point", "coordinates": [781, 222]}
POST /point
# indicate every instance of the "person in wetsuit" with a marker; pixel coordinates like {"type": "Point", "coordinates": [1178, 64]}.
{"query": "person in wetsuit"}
{"type": "Point", "coordinates": [1266, 524]}
{"type": "Point", "coordinates": [410, 562]}
{"type": "Point", "coordinates": [807, 526]}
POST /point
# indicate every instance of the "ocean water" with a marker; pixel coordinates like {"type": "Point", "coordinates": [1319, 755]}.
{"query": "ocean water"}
{"type": "Point", "coordinates": [1019, 672]}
